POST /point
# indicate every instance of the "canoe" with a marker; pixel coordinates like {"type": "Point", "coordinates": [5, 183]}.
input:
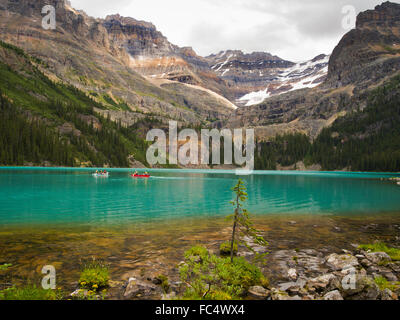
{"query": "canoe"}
{"type": "Point", "coordinates": [100, 175]}
{"type": "Point", "coordinates": [140, 176]}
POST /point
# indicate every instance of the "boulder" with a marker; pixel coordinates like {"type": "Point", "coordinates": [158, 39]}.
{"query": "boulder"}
{"type": "Point", "coordinates": [292, 274]}
{"type": "Point", "coordinates": [389, 295]}
{"type": "Point", "coordinates": [328, 282]}
{"type": "Point", "coordinates": [139, 289]}
{"type": "Point", "coordinates": [168, 296]}
{"type": "Point", "coordinates": [279, 295]}
{"type": "Point", "coordinates": [339, 262]}
{"type": "Point", "coordinates": [290, 286]}
{"type": "Point", "coordinates": [333, 295]}
{"type": "Point", "coordinates": [378, 257]}
{"type": "Point", "coordinates": [258, 293]}
{"type": "Point", "coordinates": [364, 288]}
{"type": "Point", "coordinates": [366, 263]}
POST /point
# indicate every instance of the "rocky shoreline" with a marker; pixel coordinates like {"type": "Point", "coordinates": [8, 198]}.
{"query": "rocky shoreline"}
{"type": "Point", "coordinates": [301, 274]}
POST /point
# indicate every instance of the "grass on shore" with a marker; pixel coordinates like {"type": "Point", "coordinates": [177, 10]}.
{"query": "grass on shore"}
{"type": "Point", "coordinates": [394, 253]}
{"type": "Point", "coordinates": [30, 292]}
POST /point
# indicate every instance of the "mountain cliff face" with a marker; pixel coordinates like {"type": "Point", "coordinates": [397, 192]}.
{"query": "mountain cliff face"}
{"type": "Point", "coordinates": [152, 55]}
{"type": "Point", "coordinates": [370, 52]}
{"type": "Point", "coordinates": [246, 72]}
{"type": "Point", "coordinates": [365, 58]}
{"type": "Point", "coordinates": [308, 74]}
{"type": "Point", "coordinates": [257, 76]}
{"type": "Point", "coordinates": [111, 59]}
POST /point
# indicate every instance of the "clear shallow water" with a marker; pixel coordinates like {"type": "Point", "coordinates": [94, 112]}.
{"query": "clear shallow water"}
{"type": "Point", "coordinates": [63, 196]}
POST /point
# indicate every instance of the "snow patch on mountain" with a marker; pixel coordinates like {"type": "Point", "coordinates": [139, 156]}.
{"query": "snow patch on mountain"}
{"type": "Point", "coordinates": [306, 74]}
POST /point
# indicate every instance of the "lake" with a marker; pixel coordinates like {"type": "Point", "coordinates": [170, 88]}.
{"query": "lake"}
{"type": "Point", "coordinates": [61, 217]}
{"type": "Point", "coordinates": [74, 196]}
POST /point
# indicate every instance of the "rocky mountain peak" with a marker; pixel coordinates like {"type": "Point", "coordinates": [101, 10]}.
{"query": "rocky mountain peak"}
{"type": "Point", "coordinates": [128, 21]}
{"type": "Point", "coordinates": [386, 14]}
{"type": "Point", "coordinates": [367, 53]}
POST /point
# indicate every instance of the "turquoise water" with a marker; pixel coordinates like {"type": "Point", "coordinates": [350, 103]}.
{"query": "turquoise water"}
{"type": "Point", "coordinates": [47, 196]}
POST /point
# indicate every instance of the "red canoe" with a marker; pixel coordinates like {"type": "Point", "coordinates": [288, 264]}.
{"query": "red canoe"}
{"type": "Point", "coordinates": [140, 176]}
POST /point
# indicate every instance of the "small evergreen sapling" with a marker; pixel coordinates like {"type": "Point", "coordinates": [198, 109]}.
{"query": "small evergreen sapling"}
{"type": "Point", "coordinates": [242, 225]}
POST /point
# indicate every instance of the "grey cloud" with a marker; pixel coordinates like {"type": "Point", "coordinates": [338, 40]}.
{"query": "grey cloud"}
{"type": "Point", "coordinates": [293, 29]}
{"type": "Point", "coordinates": [101, 8]}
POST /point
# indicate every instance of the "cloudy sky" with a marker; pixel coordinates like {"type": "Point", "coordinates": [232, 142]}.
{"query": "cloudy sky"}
{"type": "Point", "coordinates": [292, 29]}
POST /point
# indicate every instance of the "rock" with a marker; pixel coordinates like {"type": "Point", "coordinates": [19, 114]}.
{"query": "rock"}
{"type": "Point", "coordinates": [324, 283]}
{"type": "Point", "coordinates": [309, 263]}
{"type": "Point", "coordinates": [337, 229]}
{"type": "Point", "coordinates": [395, 266]}
{"type": "Point", "coordinates": [378, 257]}
{"type": "Point", "coordinates": [366, 263]}
{"type": "Point", "coordinates": [139, 288]}
{"type": "Point", "coordinates": [169, 296]}
{"type": "Point", "coordinates": [333, 295]}
{"type": "Point", "coordinates": [390, 276]}
{"type": "Point", "coordinates": [279, 295]}
{"type": "Point", "coordinates": [292, 274]}
{"type": "Point", "coordinates": [389, 295]}
{"type": "Point", "coordinates": [290, 286]}
{"type": "Point", "coordinates": [339, 262]}
{"type": "Point", "coordinates": [364, 288]}
{"type": "Point", "coordinates": [258, 293]}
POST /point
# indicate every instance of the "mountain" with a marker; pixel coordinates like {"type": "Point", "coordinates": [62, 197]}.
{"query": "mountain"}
{"type": "Point", "coordinates": [260, 75]}
{"type": "Point", "coordinates": [307, 74]}
{"type": "Point", "coordinates": [365, 58]}
{"type": "Point", "coordinates": [153, 56]}
{"type": "Point", "coordinates": [92, 88]}
{"type": "Point", "coordinates": [48, 123]}
{"type": "Point", "coordinates": [101, 58]}
{"type": "Point", "coordinates": [369, 53]}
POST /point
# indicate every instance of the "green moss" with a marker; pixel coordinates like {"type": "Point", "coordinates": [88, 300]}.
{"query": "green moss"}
{"type": "Point", "coordinates": [164, 283]}
{"type": "Point", "coordinates": [94, 276]}
{"type": "Point", "coordinates": [225, 248]}
{"type": "Point", "coordinates": [384, 284]}
{"type": "Point", "coordinates": [264, 282]}
{"type": "Point", "coordinates": [394, 253]}
{"type": "Point", "coordinates": [5, 266]}
{"type": "Point", "coordinates": [30, 292]}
